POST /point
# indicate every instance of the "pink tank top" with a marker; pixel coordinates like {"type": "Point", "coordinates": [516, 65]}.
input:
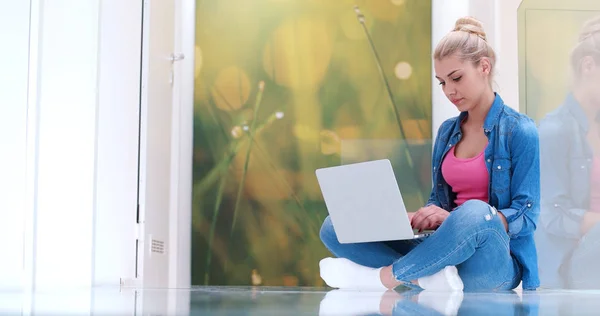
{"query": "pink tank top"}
{"type": "Point", "coordinates": [595, 186]}
{"type": "Point", "coordinates": [468, 178]}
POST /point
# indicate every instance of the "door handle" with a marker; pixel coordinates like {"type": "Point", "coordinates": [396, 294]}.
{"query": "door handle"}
{"type": "Point", "coordinates": [173, 58]}
{"type": "Point", "coordinates": [176, 57]}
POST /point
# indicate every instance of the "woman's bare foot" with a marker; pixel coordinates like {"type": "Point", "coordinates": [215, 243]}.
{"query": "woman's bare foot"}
{"type": "Point", "coordinates": [387, 278]}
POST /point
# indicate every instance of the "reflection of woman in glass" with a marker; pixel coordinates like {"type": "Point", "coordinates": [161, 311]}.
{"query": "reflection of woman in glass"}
{"type": "Point", "coordinates": [485, 199]}
{"type": "Point", "coordinates": [570, 164]}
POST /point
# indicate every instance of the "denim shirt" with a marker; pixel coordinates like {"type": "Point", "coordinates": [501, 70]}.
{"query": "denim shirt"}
{"type": "Point", "coordinates": [512, 160]}
{"type": "Point", "coordinates": [566, 164]}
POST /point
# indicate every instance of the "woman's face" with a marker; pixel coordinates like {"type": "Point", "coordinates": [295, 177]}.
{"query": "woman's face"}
{"type": "Point", "coordinates": [463, 83]}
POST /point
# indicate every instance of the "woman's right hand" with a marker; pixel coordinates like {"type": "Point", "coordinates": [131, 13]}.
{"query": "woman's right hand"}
{"type": "Point", "coordinates": [428, 218]}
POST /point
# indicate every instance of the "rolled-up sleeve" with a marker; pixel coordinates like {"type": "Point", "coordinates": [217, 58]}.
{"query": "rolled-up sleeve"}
{"type": "Point", "coordinates": [523, 213]}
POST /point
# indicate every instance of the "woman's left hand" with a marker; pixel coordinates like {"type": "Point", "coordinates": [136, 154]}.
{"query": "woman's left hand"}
{"type": "Point", "coordinates": [428, 217]}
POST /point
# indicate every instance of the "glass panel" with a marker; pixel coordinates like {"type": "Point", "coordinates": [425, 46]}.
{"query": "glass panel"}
{"type": "Point", "coordinates": [560, 81]}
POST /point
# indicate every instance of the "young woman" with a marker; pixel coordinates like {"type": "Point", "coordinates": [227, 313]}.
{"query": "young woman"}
{"type": "Point", "coordinates": [485, 198]}
{"type": "Point", "coordinates": [570, 164]}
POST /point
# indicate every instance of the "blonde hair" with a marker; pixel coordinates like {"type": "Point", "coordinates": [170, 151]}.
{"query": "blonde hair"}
{"type": "Point", "coordinates": [588, 45]}
{"type": "Point", "coordinates": [468, 41]}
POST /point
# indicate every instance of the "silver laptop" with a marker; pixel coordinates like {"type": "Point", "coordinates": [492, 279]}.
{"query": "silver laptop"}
{"type": "Point", "coordinates": [365, 203]}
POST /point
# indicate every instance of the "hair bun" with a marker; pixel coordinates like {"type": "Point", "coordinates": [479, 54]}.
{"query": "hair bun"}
{"type": "Point", "coordinates": [470, 25]}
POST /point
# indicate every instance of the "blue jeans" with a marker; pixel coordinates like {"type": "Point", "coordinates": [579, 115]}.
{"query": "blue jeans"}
{"type": "Point", "coordinates": [472, 238]}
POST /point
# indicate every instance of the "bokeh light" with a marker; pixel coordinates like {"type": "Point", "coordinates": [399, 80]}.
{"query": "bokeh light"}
{"type": "Point", "coordinates": [231, 89]}
{"type": "Point", "coordinates": [298, 53]}
{"type": "Point", "coordinates": [403, 70]}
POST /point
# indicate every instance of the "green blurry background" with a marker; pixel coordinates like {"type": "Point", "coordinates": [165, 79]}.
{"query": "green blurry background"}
{"type": "Point", "coordinates": [284, 87]}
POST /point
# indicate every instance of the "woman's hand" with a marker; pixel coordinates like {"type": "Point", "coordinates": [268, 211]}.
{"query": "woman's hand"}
{"type": "Point", "coordinates": [504, 222]}
{"type": "Point", "coordinates": [428, 217]}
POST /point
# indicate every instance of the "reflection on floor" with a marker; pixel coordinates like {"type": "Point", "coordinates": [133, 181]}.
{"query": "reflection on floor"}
{"type": "Point", "coordinates": [295, 301]}
{"type": "Point", "coordinates": [278, 301]}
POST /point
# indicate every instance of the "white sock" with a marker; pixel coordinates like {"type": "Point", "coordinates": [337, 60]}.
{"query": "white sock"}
{"type": "Point", "coordinates": [345, 274]}
{"type": "Point", "coordinates": [349, 302]}
{"type": "Point", "coordinates": [446, 303]}
{"type": "Point", "coordinates": [445, 280]}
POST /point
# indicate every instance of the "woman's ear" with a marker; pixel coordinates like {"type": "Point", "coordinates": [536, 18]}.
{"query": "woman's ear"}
{"type": "Point", "coordinates": [485, 66]}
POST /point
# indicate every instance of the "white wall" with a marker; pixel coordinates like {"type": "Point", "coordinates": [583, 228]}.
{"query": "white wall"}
{"type": "Point", "coordinates": [69, 128]}
{"type": "Point", "coordinates": [506, 45]}
{"type": "Point", "coordinates": [117, 144]}
{"type": "Point", "coordinates": [14, 32]}
{"type": "Point", "coordinates": [500, 22]}
{"type": "Point", "coordinates": [66, 103]}
{"type": "Point", "coordinates": [69, 125]}
{"type": "Point", "coordinates": [85, 171]}
{"type": "Point", "coordinates": [499, 18]}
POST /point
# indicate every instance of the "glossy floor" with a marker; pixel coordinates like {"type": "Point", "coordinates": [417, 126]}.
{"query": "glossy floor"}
{"type": "Point", "coordinates": [294, 301]}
